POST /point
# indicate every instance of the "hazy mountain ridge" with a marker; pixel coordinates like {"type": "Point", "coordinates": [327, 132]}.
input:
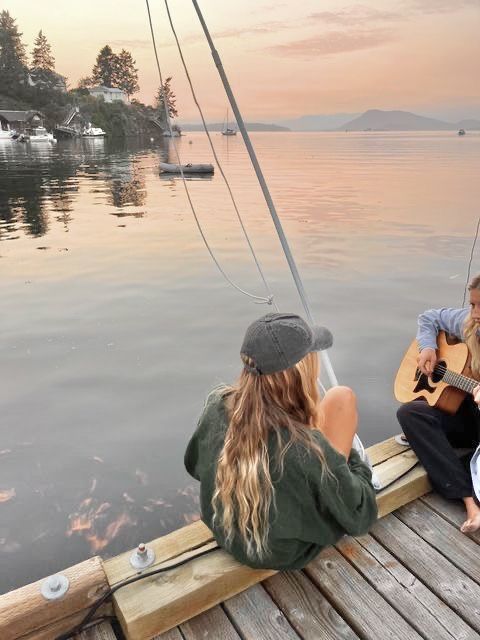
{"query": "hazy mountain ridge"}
{"type": "Point", "coordinates": [377, 120]}
{"type": "Point", "coordinates": [251, 126]}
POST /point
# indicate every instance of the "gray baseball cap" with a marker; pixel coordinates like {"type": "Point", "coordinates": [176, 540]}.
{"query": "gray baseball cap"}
{"type": "Point", "coordinates": [277, 341]}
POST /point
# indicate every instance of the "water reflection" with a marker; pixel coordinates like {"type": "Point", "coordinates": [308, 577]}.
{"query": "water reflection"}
{"type": "Point", "coordinates": [38, 181]}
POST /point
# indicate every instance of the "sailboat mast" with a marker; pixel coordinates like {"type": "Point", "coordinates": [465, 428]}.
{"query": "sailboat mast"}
{"type": "Point", "coordinates": [266, 193]}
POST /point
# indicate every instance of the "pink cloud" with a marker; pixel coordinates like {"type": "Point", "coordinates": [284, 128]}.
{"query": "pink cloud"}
{"type": "Point", "coordinates": [335, 42]}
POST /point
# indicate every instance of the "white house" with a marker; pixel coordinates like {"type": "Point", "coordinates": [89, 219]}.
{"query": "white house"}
{"type": "Point", "coordinates": [109, 94]}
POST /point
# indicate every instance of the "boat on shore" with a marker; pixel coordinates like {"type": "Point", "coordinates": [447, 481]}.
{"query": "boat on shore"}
{"type": "Point", "coordinates": [93, 132]}
{"type": "Point", "coordinates": [7, 134]}
{"type": "Point", "coordinates": [166, 167]}
{"type": "Point", "coordinates": [461, 132]}
{"type": "Point", "coordinates": [36, 134]}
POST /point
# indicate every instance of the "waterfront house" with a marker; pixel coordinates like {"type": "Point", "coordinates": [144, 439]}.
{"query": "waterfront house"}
{"type": "Point", "coordinates": [20, 120]}
{"type": "Point", "coordinates": [109, 94]}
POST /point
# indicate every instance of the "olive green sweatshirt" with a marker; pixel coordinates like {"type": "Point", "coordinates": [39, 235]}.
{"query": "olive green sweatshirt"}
{"type": "Point", "coordinates": [311, 512]}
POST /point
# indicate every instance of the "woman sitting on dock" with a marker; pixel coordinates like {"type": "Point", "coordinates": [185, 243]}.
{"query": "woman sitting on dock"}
{"type": "Point", "coordinates": [430, 431]}
{"type": "Point", "coordinates": [279, 478]}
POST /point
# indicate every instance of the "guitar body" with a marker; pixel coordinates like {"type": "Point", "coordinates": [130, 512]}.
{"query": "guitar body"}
{"type": "Point", "coordinates": [410, 384]}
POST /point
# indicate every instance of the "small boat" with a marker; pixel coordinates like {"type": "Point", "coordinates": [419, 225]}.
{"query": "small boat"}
{"type": "Point", "coordinates": [461, 132]}
{"type": "Point", "coordinates": [166, 167]}
{"type": "Point", "coordinates": [228, 131]}
{"type": "Point", "coordinates": [93, 132]}
{"type": "Point", "coordinates": [37, 134]}
{"type": "Point", "coordinates": [7, 134]}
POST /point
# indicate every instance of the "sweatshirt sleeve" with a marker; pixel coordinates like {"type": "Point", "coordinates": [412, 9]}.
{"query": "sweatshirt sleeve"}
{"type": "Point", "coordinates": [196, 444]}
{"type": "Point", "coordinates": [349, 496]}
{"type": "Point", "coordinates": [432, 321]}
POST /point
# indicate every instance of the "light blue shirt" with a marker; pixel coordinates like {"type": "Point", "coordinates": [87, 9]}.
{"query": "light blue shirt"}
{"type": "Point", "coordinates": [432, 321]}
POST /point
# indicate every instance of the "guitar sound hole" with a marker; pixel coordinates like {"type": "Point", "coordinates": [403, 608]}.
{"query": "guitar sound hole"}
{"type": "Point", "coordinates": [436, 376]}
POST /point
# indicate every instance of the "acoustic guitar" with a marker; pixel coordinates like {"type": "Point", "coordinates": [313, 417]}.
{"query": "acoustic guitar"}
{"type": "Point", "coordinates": [446, 387]}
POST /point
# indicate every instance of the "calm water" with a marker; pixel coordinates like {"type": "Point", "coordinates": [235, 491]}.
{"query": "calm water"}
{"type": "Point", "coordinates": [115, 322]}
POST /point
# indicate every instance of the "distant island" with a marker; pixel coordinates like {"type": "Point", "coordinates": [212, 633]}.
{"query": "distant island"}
{"type": "Point", "coordinates": [377, 120]}
{"type": "Point", "coordinates": [251, 126]}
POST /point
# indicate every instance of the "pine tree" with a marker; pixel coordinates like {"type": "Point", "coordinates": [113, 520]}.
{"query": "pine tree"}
{"type": "Point", "coordinates": [13, 59]}
{"type": "Point", "coordinates": [42, 57]}
{"type": "Point", "coordinates": [105, 67]}
{"type": "Point", "coordinates": [126, 75]}
{"type": "Point", "coordinates": [170, 98]}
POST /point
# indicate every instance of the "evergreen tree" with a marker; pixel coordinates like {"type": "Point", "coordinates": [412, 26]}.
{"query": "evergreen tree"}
{"type": "Point", "coordinates": [170, 98]}
{"type": "Point", "coordinates": [42, 57]}
{"type": "Point", "coordinates": [13, 59]}
{"type": "Point", "coordinates": [105, 68]}
{"type": "Point", "coordinates": [126, 75]}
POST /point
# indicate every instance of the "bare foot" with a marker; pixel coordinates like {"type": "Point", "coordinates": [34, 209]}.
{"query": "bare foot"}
{"type": "Point", "coordinates": [471, 524]}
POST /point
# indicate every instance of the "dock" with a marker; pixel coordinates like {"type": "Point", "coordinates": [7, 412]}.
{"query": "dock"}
{"type": "Point", "coordinates": [414, 575]}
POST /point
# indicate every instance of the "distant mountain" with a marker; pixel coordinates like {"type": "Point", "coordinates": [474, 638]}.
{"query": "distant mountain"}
{"type": "Point", "coordinates": [319, 122]}
{"type": "Point", "coordinates": [251, 126]}
{"type": "Point", "coordinates": [376, 120]}
{"type": "Point", "coordinates": [469, 124]}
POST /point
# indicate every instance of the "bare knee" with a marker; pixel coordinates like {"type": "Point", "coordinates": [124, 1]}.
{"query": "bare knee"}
{"type": "Point", "coordinates": [343, 396]}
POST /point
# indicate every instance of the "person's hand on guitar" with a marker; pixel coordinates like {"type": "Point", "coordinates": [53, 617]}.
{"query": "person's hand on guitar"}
{"type": "Point", "coordinates": [476, 395]}
{"type": "Point", "coordinates": [427, 359]}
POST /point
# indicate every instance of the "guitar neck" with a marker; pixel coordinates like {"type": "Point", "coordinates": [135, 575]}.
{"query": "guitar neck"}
{"type": "Point", "coordinates": [459, 381]}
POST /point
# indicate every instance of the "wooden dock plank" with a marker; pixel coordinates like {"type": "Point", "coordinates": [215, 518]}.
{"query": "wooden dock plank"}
{"type": "Point", "coordinates": [451, 510]}
{"type": "Point", "coordinates": [255, 615]}
{"type": "Point", "coordinates": [210, 624]}
{"type": "Point", "coordinates": [24, 612]}
{"type": "Point", "coordinates": [443, 536]}
{"type": "Point", "coordinates": [156, 604]}
{"type": "Point", "coordinates": [102, 631]}
{"type": "Point", "coordinates": [409, 487]}
{"type": "Point", "coordinates": [450, 584]}
{"type": "Point", "coordinates": [172, 634]}
{"type": "Point", "coordinates": [166, 548]}
{"type": "Point", "coordinates": [385, 450]}
{"type": "Point", "coordinates": [422, 609]}
{"type": "Point", "coordinates": [359, 604]}
{"type": "Point", "coordinates": [306, 608]}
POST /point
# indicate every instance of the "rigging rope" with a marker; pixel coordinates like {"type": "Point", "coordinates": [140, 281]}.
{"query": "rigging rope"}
{"type": "Point", "coordinates": [258, 299]}
{"type": "Point", "coordinates": [217, 160]}
{"type": "Point", "coordinates": [470, 262]}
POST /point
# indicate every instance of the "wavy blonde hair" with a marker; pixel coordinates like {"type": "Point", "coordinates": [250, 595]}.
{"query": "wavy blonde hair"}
{"type": "Point", "coordinates": [471, 338]}
{"type": "Point", "coordinates": [258, 406]}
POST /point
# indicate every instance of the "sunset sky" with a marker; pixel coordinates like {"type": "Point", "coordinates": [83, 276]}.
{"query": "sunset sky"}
{"type": "Point", "coordinates": [284, 59]}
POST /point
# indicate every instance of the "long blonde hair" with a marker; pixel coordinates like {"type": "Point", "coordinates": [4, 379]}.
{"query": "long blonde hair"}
{"type": "Point", "coordinates": [257, 406]}
{"type": "Point", "coordinates": [470, 333]}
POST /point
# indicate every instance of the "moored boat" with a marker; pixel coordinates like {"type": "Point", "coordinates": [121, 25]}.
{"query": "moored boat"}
{"type": "Point", "coordinates": [37, 134]}
{"type": "Point", "coordinates": [461, 132]}
{"type": "Point", "coordinates": [93, 132]}
{"type": "Point", "coordinates": [167, 167]}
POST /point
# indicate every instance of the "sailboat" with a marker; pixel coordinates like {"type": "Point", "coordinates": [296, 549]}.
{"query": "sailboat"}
{"type": "Point", "coordinates": [228, 131]}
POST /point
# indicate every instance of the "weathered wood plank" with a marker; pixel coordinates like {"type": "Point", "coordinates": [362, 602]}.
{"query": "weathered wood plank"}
{"type": "Point", "coordinates": [257, 616]}
{"type": "Point", "coordinates": [450, 584]}
{"type": "Point", "coordinates": [452, 511]}
{"type": "Point", "coordinates": [101, 631]}
{"type": "Point", "coordinates": [411, 486]}
{"type": "Point", "coordinates": [395, 467]}
{"type": "Point", "coordinates": [422, 609]}
{"type": "Point", "coordinates": [359, 604]}
{"type": "Point", "coordinates": [166, 548]}
{"type": "Point", "coordinates": [25, 611]}
{"type": "Point", "coordinates": [156, 604]}
{"type": "Point", "coordinates": [384, 450]}
{"type": "Point", "coordinates": [172, 634]}
{"type": "Point", "coordinates": [441, 535]}
{"type": "Point", "coordinates": [306, 608]}
{"type": "Point", "coordinates": [210, 624]}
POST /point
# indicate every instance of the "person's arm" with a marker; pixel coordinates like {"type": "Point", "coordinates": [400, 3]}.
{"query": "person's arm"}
{"type": "Point", "coordinates": [192, 454]}
{"type": "Point", "coordinates": [432, 321]}
{"type": "Point", "coordinates": [349, 496]}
